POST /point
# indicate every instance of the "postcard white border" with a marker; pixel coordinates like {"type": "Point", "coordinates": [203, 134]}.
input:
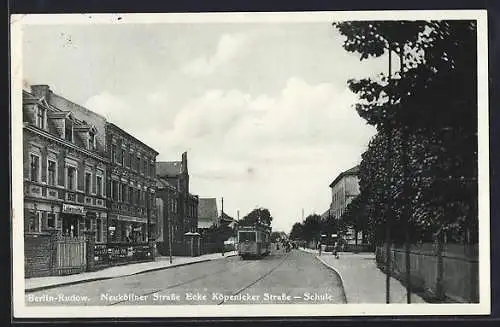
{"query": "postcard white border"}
{"type": "Point", "coordinates": [291, 310]}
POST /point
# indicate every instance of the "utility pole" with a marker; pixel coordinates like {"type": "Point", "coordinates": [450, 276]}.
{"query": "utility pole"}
{"type": "Point", "coordinates": [170, 232]}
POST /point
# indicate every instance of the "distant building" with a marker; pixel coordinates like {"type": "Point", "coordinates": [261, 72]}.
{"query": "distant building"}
{"type": "Point", "coordinates": [174, 178]}
{"type": "Point", "coordinates": [208, 215]}
{"type": "Point", "coordinates": [64, 166]}
{"type": "Point", "coordinates": [344, 188]}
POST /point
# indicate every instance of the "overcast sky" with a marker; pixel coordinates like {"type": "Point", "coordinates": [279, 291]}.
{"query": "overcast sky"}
{"type": "Point", "coordinates": [262, 109]}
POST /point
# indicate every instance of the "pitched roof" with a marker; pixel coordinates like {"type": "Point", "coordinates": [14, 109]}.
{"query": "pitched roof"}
{"type": "Point", "coordinates": [162, 183]}
{"type": "Point", "coordinates": [353, 171]}
{"type": "Point", "coordinates": [207, 209]}
{"type": "Point", "coordinates": [168, 168]}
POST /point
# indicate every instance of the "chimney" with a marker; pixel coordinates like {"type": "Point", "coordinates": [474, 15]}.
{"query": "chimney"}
{"type": "Point", "coordinates": [184, 162]}
{"type": "Point", "coordinates": [41, 91]}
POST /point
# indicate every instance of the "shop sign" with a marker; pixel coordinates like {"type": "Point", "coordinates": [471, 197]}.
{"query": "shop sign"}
{"type": "Point", "coordinates": [72, 209]}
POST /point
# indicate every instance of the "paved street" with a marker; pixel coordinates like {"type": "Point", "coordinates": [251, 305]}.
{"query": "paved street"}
{"type": "Point", "coordinates": [295, 277]}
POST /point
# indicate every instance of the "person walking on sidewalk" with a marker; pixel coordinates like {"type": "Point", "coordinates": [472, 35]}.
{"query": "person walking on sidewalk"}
{"type": "Point", "coordinates": [336, 249]}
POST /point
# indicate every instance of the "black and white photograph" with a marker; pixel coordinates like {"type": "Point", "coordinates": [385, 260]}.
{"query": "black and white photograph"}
{"type": "Point", "coordinates": [250, 164]}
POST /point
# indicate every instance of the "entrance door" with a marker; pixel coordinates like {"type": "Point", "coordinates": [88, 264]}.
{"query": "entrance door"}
{"type": "Point", "coordinates": [70, 225]}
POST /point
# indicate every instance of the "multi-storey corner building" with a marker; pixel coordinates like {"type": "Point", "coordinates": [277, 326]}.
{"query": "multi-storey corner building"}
{"type": "Point", "coordinates": [64, 166]}
{"type": "Point", "coordinates": [131, 187]}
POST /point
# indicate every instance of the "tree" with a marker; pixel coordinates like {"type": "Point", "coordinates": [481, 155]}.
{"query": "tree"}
{"type": "Point", "coordinates": [423, 161]}
{"type": "Point", "coordinates": [297, 232]}
{"type": "Point", "coordinates": [261, 215]}
{"type": "Point", "coordinates": [312, 228]}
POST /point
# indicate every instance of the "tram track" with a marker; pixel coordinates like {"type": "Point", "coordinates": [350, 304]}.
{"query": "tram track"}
{"type": "Point", "coordinates": [180, 283]}
{"type": "Point", "coordinates": [207, 275]}
{"type": "Point", "coordinates": [261, 277]}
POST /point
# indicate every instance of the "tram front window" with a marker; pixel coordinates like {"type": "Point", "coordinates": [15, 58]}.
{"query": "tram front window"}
{"type": "Point", "coordinates": [247, 237]}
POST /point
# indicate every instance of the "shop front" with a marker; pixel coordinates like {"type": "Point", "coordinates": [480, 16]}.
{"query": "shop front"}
{"type": "Point", "coordinates": [127, 229]}
{"type": "Point", "coordinates": [73, 220]}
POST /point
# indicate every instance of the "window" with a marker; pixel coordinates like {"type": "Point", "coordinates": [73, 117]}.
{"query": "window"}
{"type": "Point", "coordinates": [130, 194]}
{"type": "Point", "coordinates": [51, 220]}
{"type": "Point", "coordinates": [51, 173]}
{"type": "Point", "coordinates": [152, 170]}
{"type": "Point", "coordinates": [99, 230]}
{"type": "Point", "coordinates": [68, 130]}
{"type": "Point", "coordinates": [34, 168]}
{"type": "Point", "coordinates": [124, 193]}
{"type": "Point", "coordinates": [138, 200]}
{"type": "Point", "coordinates": [113, 152]}
{"type": "Point", "coordinates": [124, 154]}
{"type": "Point", "coordinates": [40, 117]}
{"type": "Point", "coordinates": [99, 185]}
{"type": "Point", "coordinates": [71, 178]}
{"type": "Point", "coordinates": [138, 164]}
{"type": "Point", "coordinates": [92, 142]}
{"type": "Point", "coordinates": [35, 222]}
{"type": "Point", "coordinates": [88, 182]}
{"type": "Point", "coordinates": [114, 190]}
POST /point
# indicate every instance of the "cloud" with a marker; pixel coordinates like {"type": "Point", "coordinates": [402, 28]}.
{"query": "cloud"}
{"type": "Point", "coordinates": [279, 151]}
{"type": "Point", "coordinates": [228, 47]}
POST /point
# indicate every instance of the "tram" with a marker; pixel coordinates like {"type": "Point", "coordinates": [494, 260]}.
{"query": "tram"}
{"type": "Point", "coordinates": [254, 241]}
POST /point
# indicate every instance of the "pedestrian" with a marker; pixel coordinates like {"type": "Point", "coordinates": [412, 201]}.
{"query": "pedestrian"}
{"type": "Point", "coordinates": [336, 249]}
{"type": "Point", "coordinates": [320, 247]}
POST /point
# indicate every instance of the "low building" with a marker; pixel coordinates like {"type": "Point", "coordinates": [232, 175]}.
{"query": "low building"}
{"type": "Point", "coordinates": [207, 213]}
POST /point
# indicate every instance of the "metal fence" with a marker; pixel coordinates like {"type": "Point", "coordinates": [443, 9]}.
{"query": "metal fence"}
{"type": "Point", "coordinates": [448, 272]}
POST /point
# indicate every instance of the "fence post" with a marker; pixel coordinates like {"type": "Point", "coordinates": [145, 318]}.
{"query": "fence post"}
{"type": "Point", "coordinates": [152, 247]}
{"type": "Point", "coordinates": [90, 250]}
{"type": "Point", "coordinates": [440, 270]}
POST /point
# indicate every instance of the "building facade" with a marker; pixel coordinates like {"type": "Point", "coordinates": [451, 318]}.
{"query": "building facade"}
{"type": "Point", "coordinates": [65, 166]}
{"type": "Point", "coordinates": [344, 188]}
{"type": "Point", "coordinates": [131, 185]}
{"type": "Point", "coordinates": [180, 206]}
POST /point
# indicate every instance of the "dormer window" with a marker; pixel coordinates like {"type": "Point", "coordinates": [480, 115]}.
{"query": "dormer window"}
{"type": "Point", "coordinates": [68, 130]}
{"type": "Point", "coordinates": [91, 140]}
{"type": "Point", "coordinates": [40, 113]}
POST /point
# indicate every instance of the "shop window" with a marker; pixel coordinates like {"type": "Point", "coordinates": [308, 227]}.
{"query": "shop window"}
{"type": "Point", "coordinates": [34, 168]}
{"type": "Point", "coordinates": [51, 173]}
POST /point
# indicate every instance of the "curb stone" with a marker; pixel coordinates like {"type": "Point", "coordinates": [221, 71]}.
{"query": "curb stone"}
{"type": "Point", "coordinates": [40, 288]}
{"type": "Point", "coordinates": [334, 270]}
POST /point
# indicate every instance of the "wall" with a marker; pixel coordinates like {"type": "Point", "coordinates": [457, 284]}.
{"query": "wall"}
{"type": "Point", "coordinates": [450, 273]}
{"type": "Point", "coordinates": [37, 255]}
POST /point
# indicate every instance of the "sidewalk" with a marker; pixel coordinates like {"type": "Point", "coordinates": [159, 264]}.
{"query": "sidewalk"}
{"type": "Point", "coordinates": [39, 283]}
{"type": "Point", "coordinates": [363, 282]}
